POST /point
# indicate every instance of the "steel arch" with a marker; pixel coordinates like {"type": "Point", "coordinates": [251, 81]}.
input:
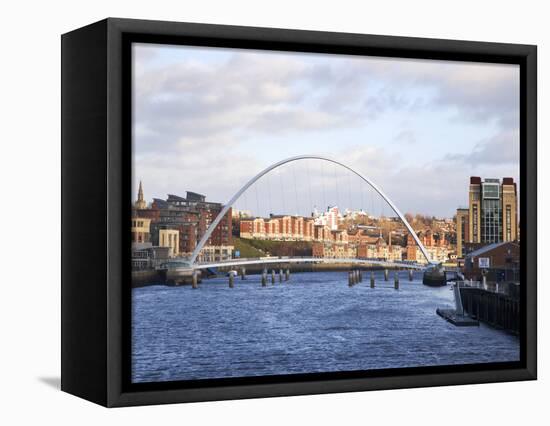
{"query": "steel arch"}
{"type": "Point", "coordinates": [235, 197]}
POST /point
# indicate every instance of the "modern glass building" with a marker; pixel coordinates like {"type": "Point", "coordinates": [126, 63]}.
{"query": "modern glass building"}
{"type": "Point", "coordinates": [492, 212]}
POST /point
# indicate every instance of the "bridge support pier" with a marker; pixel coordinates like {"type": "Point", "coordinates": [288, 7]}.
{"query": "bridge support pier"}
{"type": "Point", "coordinates": [273, 276]}
{"type": "Point", "coordinates": [371, 279]}
{"type": "Point", "coordinates": [231, 280]}
{"type": "Point", "coordinates": [287, 274]}
{"type": "Point", "coordinates": [396, 280]}
{"type": "Point", "coordinates": [410, 274]}
{"type": "Point", "coordinates": [385, 275]}
{"type": "Point", "coordinates": [195, 280]}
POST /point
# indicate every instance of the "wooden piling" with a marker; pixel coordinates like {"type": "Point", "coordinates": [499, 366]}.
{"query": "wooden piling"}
{"type": "Point", "coordinates": [350, 279]}
{"type": "Point", "coordinates": [231, 279]}
{"type": "Point", "coordinates": [396, 280]}
{"type": "Point", "coordinates": [243, 273]}
{"type": "Point", "coordinates": [385, 275]}
{"type": "Point", "coordinates": [371, 279]}
{"type": "Point", "coordinates": [280, 275]}
{"type": "Point", "coordinates": [264, 279]}
{"type": "Point", "coordinates": [273, 276]}
{"type": "Point", "coordinates": [195, 280]}
{"type": "Point", "coordinates": [287, 275]}
{"type": "Point", "coordinates": [410, 274]}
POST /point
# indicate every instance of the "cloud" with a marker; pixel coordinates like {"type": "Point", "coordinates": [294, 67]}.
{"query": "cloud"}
{"type": "Point", "coordinates": [405, 136]}
{"type": "Point", "coordinates": [483, 93]}
{"type": "Point", "coordinates": [267, 93]}
{"type": "Point", "coordinates": [195, 118]}
{"type": "Point", "coordinates": [502, 148]}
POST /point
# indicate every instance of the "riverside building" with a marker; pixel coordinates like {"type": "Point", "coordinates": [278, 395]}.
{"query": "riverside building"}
{"type": "Point", "coordinates": [491, 216]}
{"type": "Point", "coordinates": [178, 223]}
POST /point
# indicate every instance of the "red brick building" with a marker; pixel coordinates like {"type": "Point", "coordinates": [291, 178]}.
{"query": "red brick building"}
{"type": "Point", "coordinates": [498, 261]}
{"type": "Point", "coordinates": [191, 216]}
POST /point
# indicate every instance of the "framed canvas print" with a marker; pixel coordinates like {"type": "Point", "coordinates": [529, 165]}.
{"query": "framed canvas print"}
{"type": "Point", "coordinates": [252, 212]}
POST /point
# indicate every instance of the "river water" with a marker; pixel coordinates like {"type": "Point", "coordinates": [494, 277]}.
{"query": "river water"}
{"type": "Point", "coordinates": [312, 323]}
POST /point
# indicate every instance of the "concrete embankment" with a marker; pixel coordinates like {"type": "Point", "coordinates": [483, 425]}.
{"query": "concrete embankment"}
{"type": "Point", "coordinates": [152, 277]}
{"type": "Point", "coordinates": [146, 277]}
{"type": "Point", "coordinates": [496, 309]}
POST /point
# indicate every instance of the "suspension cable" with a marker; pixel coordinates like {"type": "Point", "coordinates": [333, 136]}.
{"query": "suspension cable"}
{"type": "Point", "coordinates": [309, 185]}
{"type": "Point", "coordinates": [324, 184]}
{"type": "Point", "coordinates": [349, 192]}
{"type": "Point", "coordinates": [282, 190]}
{"type": "Point", "coordinates": [337, 187]}
{"type": "Point", "coordinates": [257, 199]}
{"type": "Point", "coordinates": [269, 193]}
{"type": "Point", "coordinates": [295, 188]}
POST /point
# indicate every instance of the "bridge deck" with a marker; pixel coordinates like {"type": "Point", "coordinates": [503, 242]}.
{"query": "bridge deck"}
{"type": "Point", "coordinates": [283, 260]}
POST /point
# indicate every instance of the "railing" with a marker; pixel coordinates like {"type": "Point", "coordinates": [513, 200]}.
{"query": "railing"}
{"type": "Point", "coordinates": [320, 259]}
{"type": "Point", "coordinates": [492, 287]}
{"type": "Point", "coordinates": [140, 264]}
{"type": "Point", "coordinates": [470, 284]}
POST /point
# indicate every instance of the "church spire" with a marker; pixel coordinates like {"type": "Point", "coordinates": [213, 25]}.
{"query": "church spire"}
{"type": "Point", "coordinates": [140, 203]}
{"type": "Point", "coordinates": [140, 192]}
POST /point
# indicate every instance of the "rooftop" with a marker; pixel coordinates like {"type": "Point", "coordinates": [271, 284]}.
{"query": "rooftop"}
{"type": "Point", "coordinates": [487, 248]}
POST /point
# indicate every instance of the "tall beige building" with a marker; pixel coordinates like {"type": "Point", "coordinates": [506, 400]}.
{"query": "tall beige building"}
{"type": "Point", "coordinates": [462, 230]}
{"type": "Point", "coordinates": [492, 214]}
{"type": "Point", "coordinates": [509, 210]}
{"type": "Point", "coordinates": [474, 216]}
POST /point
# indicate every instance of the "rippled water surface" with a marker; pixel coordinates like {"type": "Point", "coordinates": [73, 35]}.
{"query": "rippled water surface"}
{"type": "Point", "coordinates": [313, 323]}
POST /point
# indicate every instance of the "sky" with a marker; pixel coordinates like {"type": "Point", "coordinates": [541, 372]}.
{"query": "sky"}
{"type": "Point", "coordinates": [208, 119]}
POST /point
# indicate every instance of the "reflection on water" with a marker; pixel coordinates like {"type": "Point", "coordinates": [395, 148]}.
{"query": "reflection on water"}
{"type": "Point", "coordinates": [313, 323]}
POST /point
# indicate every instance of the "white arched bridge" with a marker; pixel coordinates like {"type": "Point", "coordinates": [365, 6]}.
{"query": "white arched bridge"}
{"type": "Point", "coordinates": [184, 267]}
{"type": "Point", "coordinates": [193, 264]}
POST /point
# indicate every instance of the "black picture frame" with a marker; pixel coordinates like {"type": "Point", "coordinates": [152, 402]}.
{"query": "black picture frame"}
{"type": "Point", "coordinates": [96, 181]}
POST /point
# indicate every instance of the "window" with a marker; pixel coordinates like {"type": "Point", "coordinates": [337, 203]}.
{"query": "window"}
{"type": "Point", "coordinates": [474, 223]}
{"type": "Point", "coordinates": [491, 221]}
{"type": "Point", "coordinates": [491, 190]}
{"type": "Point", "coordinates": [508, 222]}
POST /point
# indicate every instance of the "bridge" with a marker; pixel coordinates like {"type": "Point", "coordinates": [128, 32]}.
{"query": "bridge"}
{"type": "Point", "coordinates": [193, 264]}
{"type": "Point", "coordinates": [296, 260]}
